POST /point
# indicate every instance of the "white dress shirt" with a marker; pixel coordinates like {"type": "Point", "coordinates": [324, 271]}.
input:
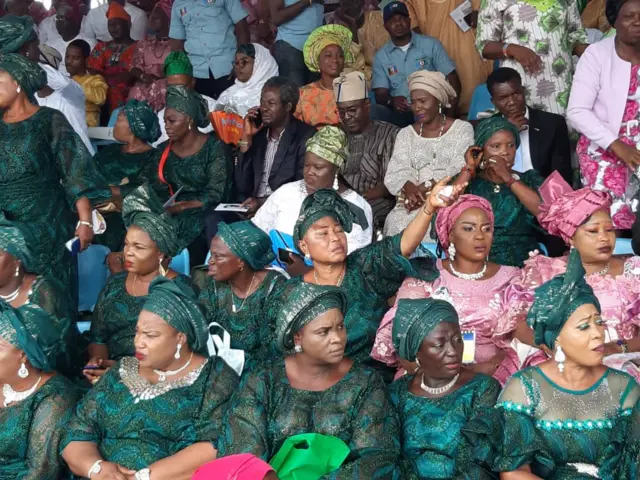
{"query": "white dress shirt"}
{"type": "Point", "coordinates": [281, 210]}
{"type": "Point", "coordinates": [95, 23]}
{"type": "Point", "coordinates": [67, 97]}
{"type": "Point", "coordinates": [523, 161]}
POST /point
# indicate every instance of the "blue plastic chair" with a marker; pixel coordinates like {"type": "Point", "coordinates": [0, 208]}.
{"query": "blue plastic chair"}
{"type": "Point", "coordinates": [480, 102]}
{"type": "Point", "coordinates": [181, 263]}
{"type": "Point", "coordinates": [112, 123]}
{"type": "Point", "coordinates": [623, 247]}
{"type": "Point", "coordinates": [92, 275]}
{"type": "Point", "coordinates": [543, 249]}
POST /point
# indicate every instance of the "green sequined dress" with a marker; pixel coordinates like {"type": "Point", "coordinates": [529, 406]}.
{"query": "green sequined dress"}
{"type": "Point", "coordinates": [431, 428]}
{"type": "Point", "coordinates": [49, 294]}
{"type": "Point", "coordinates": [266, 411]}
{"type": "Point", "coordinates": [206, 176]}
{"type": "Point", "coordinates": [116, 313]}
{"type": "Point", "coordinates": [373, 275]}
{"type": "Point", "coordinates": [30, 432]}
{"type": "Point", "coordinates": [516, 229]}
{"type": "Point", "coordinates": [562, 434]}
{"type": "Point", "coordinates": [44, 169]}
{"type": "Point", "coordinates": [249, 327]}
{"type": "Point", "coordinates": [128, 171]}
{"type": "Point", "coordinates": [137, 434]}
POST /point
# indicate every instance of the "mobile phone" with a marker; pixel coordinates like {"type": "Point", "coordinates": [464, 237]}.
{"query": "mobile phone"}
{"type": "Point", "coordinates": [92, 367]}
{"type": "Point", "coordinates": [284, 256]}
{"type": "Point", "coordinates": [257, 121]}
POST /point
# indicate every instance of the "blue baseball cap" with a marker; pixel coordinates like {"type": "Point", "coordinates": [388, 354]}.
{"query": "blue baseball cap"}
{"type": "Point", "coordinates": [394, 8]}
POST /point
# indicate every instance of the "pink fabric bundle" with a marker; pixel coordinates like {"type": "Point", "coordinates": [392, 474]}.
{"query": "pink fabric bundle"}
{"type": "Point", "coordinates": [234, 467]}
{"type": "Point", "coordinates": [165, 6]}
{"type": "Point", "coordinates": [447, 217]}
{"type": "Point", "coordinates": [563, 210]}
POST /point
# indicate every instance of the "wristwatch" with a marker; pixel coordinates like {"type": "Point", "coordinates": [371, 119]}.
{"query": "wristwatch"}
{"type": "Point", "coordinates": [144, 474]}
{"type": "Point", "coordinates": [95, 468]}
{"type": "Point", "coordinates": [623, 345]}
{"type": "Point", "coordinates": [86, 224]}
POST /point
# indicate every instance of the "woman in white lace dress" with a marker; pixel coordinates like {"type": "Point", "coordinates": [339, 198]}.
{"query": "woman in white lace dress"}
{"type": "Point", "coordinates": [425, 152]}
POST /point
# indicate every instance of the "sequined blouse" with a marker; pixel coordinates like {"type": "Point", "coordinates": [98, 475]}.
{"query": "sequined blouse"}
{"type": "Point", "coordinates": [136, 423]}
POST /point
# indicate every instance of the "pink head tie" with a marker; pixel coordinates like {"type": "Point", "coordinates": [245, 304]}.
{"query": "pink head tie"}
{"type": "Point", "coordinates": [165, 6]}
{"type": "Point", "coordinates": [563, 210]}
{"type": "Point", "coordinates": [243, 466]}
{"type": "Point", "coordinates": [446, 218]}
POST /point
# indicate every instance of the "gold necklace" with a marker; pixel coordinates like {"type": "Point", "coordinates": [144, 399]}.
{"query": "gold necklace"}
{"type": "Point", "coordinates": [338, 283]}
{"type": "Point", "coordinates": [246, 295]}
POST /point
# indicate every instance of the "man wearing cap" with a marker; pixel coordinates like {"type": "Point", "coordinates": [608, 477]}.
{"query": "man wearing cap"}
{"type": "Point", "coordinates": [369, 142]}
{"type": "Point", "coordinates": [95, 23]}
{"type": "Point", "coordinates": [405, 53]}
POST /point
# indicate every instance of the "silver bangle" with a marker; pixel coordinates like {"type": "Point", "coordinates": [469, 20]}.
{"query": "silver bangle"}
{"type": "Point", "coordinates": [143, 474]}
{"type": "Point", "coordinates": [95, 468]}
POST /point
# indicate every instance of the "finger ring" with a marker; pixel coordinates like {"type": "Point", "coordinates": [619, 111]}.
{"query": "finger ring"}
{"type": "Point", "coordinates": [94, 381]}
{"type": "Point", "coordinates": [406, 201]}
{"type": "Point", "coordinates": [491, 160]}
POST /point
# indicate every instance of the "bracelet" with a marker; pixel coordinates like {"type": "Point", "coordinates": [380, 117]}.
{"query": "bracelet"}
{"type": "Point", "coordinates": [471, 171]}
{"type": "Point", "coordinates": [425, 211]}
{"type": "Point", "coordinates": [623, 345]}
{"type": "Point", "coordinates": [86, 224]}
{"type": "Point", "coordinates": [243, 143]}
{"type": "Point", "coordinates": [504, 50]}
{"type": "Point", "coordinates": [95, 468]}
{"type": "Point", "coordinates": [510, 182]}
{"type": "Point", "coordinates": [143, 474]}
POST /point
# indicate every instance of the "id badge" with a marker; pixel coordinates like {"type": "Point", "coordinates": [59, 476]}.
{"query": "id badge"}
{"type": "Point", "coordinates": [469, 352]}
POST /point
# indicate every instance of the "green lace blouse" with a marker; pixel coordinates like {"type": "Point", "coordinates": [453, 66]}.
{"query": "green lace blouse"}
{"type": "Point", "coordinates": [30, 432]}
{"type": "Point", "coordinates": [562, 434]}
{"type": "Point", "coordinates": [135, 432]}
{"type": "Point", "coordinates": [116, 314]}
{"type": "Point", "coordinates": [266, 410]}
{"type": "Point", "coordinates": [430, 428]}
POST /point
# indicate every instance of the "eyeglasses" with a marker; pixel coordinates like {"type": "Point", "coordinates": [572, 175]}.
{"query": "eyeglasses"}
{"type": "Point", "coordinates": [240, 63]}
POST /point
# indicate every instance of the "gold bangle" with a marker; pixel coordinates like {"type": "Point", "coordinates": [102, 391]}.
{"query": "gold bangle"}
{"type": "Point", "coordinates": [425, 211]}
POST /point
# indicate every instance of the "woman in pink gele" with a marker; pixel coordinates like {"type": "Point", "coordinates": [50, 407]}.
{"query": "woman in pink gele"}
{"type": "Point", "coordinates": [475, 287]}
{"type": "Point", "coordinates": [583, 220]}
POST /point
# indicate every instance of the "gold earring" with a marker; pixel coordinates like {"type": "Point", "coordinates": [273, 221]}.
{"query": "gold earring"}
{"type": "Point", "coordinates": [163, 271]}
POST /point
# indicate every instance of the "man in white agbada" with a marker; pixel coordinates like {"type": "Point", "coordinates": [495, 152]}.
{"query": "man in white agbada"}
{"type": "Point", "coordinates": [65, 95]}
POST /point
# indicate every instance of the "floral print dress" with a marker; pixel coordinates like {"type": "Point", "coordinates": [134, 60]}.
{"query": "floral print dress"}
{"type": "Point", "coordinates": [601, 170]}
{"type": "Point", "coordinates": [549, 28]}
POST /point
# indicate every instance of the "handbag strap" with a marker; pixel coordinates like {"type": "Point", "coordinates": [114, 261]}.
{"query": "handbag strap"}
{"type": "Point", "coordinates": [161, 165]}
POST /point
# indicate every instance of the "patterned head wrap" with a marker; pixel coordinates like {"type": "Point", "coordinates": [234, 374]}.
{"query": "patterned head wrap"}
{"type": "Point", "coordinates": [29, 75]}
{"type": "Point", "coordinates": [321, 38]}
{"type": "Point", "coordinates": [143, 121]}
{"type": "Point", "coordinates": [30, 329]}
{"type": "Point", "coordinates": [330, 144]}
{"type": "Point", "coordinates": [433, 83]}
{"type": "Point", "coordinates": [116, 10]}
{"type": "Point", "coordinates": [486, 128]}
{"type": "Point", "coordinates": [350, 86]}
{"type": "Point", "coordinates": [15, 32]}
{"type": "Point", "coordinates": [248, 243]}
{"type": "Point", "coordinates": [446, 217]}
{"type": "Point", "coordinates": [165, 6]}
{"type": "Point", "coordinates": [177, 63]}
{"type": "Point", "coordinates": [562, 210]}
{"type": "Point", "coordinates": [143, 208]}
{"type": "Point", "coordinates": [248, 49]}
{"type": "Point", "coordinates": [305, 303]}
{"type": "Point", "coordinates": [556, 300]}
{"type": "Point", "coordinates": [189, 102]}
{"type": "Point", "coordinates": [327, 203]}
{"type": "Point", "coordinates": [17, 239]}
{"type": "Point", "coordinates": [415, 319]}
{"type": "Point", "coordinates": [177, 305]}
{"type": "Point", "coordinates": [243, 466]}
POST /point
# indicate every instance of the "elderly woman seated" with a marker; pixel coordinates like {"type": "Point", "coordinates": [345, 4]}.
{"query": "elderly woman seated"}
{"type": "Point", "coordinates": [315, 389]}
{"type": "Point", "coordinates": [238, 290]}
{"type": "Point", "coordinates": [36, 401]}
{"type": "Point", "coordinates": [151, 241]}
{"type": "Point", "coordinates": [156, 415]}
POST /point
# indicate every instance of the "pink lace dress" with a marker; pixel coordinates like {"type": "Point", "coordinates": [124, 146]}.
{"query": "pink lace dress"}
{"type": "Point", "coordinates": [601, 170]}
{"type": "Point", "coordinates": [481, 307]}
{"type": "Point", "coordinates": [619, 298]}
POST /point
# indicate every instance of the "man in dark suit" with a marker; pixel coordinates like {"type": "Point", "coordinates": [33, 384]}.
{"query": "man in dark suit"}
{"type": "Point", "coordinates": [544, 136]}
{"type": "Point", "coordinates": [271, 151]}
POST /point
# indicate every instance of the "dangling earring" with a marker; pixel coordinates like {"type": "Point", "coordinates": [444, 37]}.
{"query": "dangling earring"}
{"type": "Point", "coordinates": [451, 251]}
{"type": "Point", "coordinates": [23, 372]}
{"type": "Point", "coordinates": [298, 348]}
{"type": "Point", "coordinates": [163, 271]}
{"type": "Point", "coordinates": [189, 126]}
{"type": "Point", "coordinates": [560, 358]}
{"type": "Point", "coordinates": [17, 270]}
{"type": "Point", "coordinates": [241, 266]}
{"type": "Point", "coordinates": [440, 109]}
{"type": "Point", "coordinates": [335, 182]}
{"type": "Point", "coordinates": [18, 90]}
{"type": "Point", "coordinates": [177, 355]}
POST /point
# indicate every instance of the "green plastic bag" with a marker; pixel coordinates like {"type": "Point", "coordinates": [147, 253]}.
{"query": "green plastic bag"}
{"type": "Point", "coordinates": [309, 456]}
